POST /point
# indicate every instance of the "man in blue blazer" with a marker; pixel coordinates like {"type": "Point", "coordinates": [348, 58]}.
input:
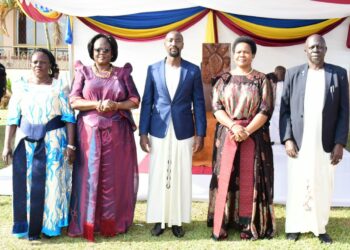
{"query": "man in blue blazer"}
{"type": "Point", "coordinates": [173, 114]}
{"type": "Point", "coordinates": [314, 125]}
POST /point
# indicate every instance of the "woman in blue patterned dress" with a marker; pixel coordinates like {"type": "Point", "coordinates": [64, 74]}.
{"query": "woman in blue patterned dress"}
{"type": "Point", "coordinates": [40, 118]}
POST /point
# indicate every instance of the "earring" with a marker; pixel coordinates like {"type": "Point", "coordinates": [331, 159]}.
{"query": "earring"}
{"type": "Point", "coordinates": [50, 71]}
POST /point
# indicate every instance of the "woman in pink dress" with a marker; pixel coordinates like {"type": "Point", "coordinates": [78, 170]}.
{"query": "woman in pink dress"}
{"type": "Point", "coordinates": [105, 177]}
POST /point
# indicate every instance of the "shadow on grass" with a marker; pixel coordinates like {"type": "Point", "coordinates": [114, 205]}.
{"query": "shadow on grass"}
{"type": "Point", "coordinates": [198, 231]}
{"type": "Point", "coordinates": [198, 237]}
{"type": "Point", "coordinates": [197, 234]}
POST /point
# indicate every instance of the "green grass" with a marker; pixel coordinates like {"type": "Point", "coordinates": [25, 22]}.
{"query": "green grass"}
{"type": "Point", "coordinates": [197, 234]}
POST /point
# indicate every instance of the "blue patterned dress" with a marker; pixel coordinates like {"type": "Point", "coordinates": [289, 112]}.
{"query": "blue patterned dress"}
{"type": "Point", "coordinates": [39, 104]}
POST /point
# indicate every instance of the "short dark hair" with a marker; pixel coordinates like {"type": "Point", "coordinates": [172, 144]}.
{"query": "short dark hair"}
{"type": "Point", "coordinates": [53, 65]}
{"type": "Point", "coordinates": [280, 68]}
{"type": "Point", "coordinates": [245, 39]}
{"type": "Point", "coordinates": [272, 77]}
{"type": "Point", "coordinates": [112, 42]}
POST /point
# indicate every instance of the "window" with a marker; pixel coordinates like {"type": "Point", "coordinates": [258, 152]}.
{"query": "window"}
{"type": "Point", "coordinates": [31, 33]}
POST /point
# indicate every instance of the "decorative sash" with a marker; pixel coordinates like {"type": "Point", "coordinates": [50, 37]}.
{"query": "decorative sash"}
{"type": "Point", "coordinates": [229, 151]}
{"type": "Point", "coordinates": [33, 133]}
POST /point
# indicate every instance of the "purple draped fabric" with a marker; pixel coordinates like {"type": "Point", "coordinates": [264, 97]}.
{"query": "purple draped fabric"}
{"type": "Point", "coordinates": [105, 177]}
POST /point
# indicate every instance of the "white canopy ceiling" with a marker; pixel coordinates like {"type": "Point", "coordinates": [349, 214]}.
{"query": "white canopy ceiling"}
{"type": "Point", "coordinates": [286, 9]}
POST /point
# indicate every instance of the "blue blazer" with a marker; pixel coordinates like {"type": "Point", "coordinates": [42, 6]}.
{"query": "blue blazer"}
{"type": "Point", "coordinates": [335, 114]}
{"type": "Point", "coordinates": [157, 106]}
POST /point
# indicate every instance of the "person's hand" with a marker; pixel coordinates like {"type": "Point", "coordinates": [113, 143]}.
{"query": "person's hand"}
{"type": "Point", "coordinates": [198, 144]}
{"type": "Point", "coordinates": [337, 154]}
{"type": "Point", "coordinates": [291, 148]}
{"type": "Point", "coordinates": [99, 106]}
{"type": "Point", "coordinates": [107, 105]}
{"type": "Point", "coordinates": [242, 135]}
{"type": "Point", "coordinates": [145, 143]}
{"type": "Point", "coordinates": [239, 133]}
{"type": "Point", "coordinates": [6, 155]}
{"type": "Point", "coordinates": [69, 156]}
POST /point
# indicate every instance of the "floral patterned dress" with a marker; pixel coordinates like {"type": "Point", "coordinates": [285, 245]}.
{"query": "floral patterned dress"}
{"type": "Point", "coordinates": [242, 98]}
{"type": "Point", "coordinates": [38, 104]}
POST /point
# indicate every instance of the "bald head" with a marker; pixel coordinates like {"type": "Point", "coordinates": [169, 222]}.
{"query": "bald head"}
{"type": "Point", "coordinates": [174, 43]}
{"type": "Point", "coordinates": [315, 48]}
{"type": "Point", "coordinates": [173, 33]}
{"type": "Point", "coordinates": [315, 37]}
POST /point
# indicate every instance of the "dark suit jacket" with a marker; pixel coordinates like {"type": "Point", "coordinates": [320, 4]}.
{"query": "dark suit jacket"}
{"type": "Point", "coordinates": [335, 114]}
{"type": "Point", "coordinates": [157, 106]}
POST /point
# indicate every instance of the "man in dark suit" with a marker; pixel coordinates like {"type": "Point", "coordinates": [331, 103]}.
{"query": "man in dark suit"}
{"type": "Point", "coordinates": [173, 114]}
{"type": "Point", "coordinates": [314, 125]}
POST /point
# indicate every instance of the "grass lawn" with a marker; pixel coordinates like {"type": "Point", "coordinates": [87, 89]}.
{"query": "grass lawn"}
{"type": "Point", "coordinates": [197, 234]}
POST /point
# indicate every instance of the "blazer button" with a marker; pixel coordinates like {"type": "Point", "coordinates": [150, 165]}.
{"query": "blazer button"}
{"type": "Point", "coordinates": [301, 116]}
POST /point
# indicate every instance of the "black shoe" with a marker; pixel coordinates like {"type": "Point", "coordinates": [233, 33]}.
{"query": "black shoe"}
{"type": "Point", "coordinates": [210, 222]}
{"type": "Point", "coordinates": [157, 229]}
{"type": "Point", "coordinates": [293, 236]}
{"type": "Point", "coordinates": [178, 231]}
{"type": "Point", "coordinates": [325, 238]}
{"type": "Point", "coordinates": [32, 238]}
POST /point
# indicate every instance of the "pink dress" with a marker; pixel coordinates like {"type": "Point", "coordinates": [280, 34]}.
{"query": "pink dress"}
{"type": "Point", "coordinates": [105, 176]}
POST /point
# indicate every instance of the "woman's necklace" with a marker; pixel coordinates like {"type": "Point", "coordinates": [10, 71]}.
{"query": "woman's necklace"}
{"type": "Point", "coordinates": [243, 73]}
{"type": "Point", "coordinates": [102, 73]}
{"type": "Point", "coordinates": [250, 71]}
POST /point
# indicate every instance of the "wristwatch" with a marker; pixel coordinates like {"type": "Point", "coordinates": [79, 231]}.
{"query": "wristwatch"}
{"type": "Point", "coordinates": [71, 147]}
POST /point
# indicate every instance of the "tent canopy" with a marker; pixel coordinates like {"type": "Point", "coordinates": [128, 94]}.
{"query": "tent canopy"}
{"type": "Point", "coordinates": [286, 9]}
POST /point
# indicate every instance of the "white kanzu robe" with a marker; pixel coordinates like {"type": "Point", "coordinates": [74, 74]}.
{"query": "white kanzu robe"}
{"type": "Point", "coordinates": [310, 175]}
{"type": "Point", "coordinates": [170, 174]}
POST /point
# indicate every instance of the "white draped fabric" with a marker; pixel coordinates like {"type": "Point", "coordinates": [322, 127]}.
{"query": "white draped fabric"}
{"type": "Point", "coordinates": [85, 8]}
{"type": "Point", "coordinates": [286, 9]}
{"type": "Point", "coordinates": [170, 185]}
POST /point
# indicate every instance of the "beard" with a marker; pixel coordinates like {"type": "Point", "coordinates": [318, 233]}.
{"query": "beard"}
{"type": "Point", "coordinates": [174, 53]}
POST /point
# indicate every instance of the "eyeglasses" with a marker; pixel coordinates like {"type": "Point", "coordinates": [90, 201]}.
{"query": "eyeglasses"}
{"type": "Point", "coordinates": [101, 50]}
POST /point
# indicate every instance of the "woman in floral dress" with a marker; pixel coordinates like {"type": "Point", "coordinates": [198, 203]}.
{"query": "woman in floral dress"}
{"type": "Point", "coordinates": [241, 188]}
{"type": "Point", "coordinates": [43, 122]}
